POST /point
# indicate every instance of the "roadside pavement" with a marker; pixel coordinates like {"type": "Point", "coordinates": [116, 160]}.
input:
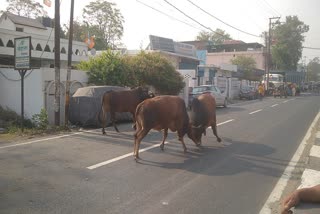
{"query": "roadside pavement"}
{"type": "Point", "coordinates": [311, 175]}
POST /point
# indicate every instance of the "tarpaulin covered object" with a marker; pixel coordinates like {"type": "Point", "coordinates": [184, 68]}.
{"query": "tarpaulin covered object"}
{"type": "Point", "coordinates": [85, 106]}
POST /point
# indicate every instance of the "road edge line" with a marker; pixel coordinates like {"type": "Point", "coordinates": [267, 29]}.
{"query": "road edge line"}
{"type": "Point", "coordinates": [283, 180]}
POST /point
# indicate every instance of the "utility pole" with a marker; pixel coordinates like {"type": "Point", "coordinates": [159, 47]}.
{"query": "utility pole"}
{"type": "Point", "coordinates": [57, 63]}
{"type": "Point", "coordinates": [67, 99]}
{"type": "Point", "coordinates": [269, 51]}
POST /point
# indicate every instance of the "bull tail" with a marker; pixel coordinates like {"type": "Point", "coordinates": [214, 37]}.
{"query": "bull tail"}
{"type": "Point", "coordinates": [103, 121]}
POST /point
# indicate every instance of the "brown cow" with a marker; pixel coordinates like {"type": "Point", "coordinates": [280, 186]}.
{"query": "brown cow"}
{"type": "Point", "coordinates": [161, 113]}
{"type": "Point", "coordinates": [122, 101]}
{"type": "Point", "coordinates": [203, 115]}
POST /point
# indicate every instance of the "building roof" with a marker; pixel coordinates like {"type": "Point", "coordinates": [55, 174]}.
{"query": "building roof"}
{"type": "Point", "coordinates": [21, 20]}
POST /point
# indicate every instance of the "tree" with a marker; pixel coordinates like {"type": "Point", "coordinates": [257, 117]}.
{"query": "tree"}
{"type": "Point", "coordinates": [109, 68]}
{"type": "Point", "coordinates": [106, 20]}
{"type": "Point", "coordinates": [217, 37]}
{"type": "Point", "coordinates": [27, 8]}
{"type": "Point", "coordinates": [157, 71]}
{"type": "Point", "coordinates": [313, 70]}
{"type": "Point", "coordinates": [248, 64]}
{"type": "Point", "coordinates": [150, 69]}
{"type": "Point", "coordinates": [288, 38]}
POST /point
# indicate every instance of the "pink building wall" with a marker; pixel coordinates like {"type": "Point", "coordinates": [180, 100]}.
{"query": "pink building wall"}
{"type": "Point", "coordinates": [225, 58]}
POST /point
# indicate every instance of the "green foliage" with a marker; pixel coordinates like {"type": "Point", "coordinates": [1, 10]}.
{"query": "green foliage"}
{"type": "Point", "coordinates": [246, 63]}
{"type": "Point", "coordinates": [156, 70]}
{"type": "Point", "coordinates": [106, 21]}
{"type": "Point", "coordinates": [313, 69]}
{"type": "Point", "coordinates": [217, 38]}
{"type": "Point", "coordinates": [41, 120]}
{"type": "Point", "coordinates": [27, 8]}
{"type": "Point", "coordinates": [288, 38]}
{"type": "Point", "coordinates": [144, 69]}
{"type": "Point", "coordinates": [10, 118]}
{"type": "Point", "coordinates": [108, 69]}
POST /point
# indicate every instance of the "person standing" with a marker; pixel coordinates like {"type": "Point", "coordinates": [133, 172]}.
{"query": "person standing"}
{"type": "Point", "coordinates": [293, 89]}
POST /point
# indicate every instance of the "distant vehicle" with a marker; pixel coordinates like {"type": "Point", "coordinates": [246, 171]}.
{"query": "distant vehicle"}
{"type": "Point", "coordinates": [275, 80]}
{"type": "Point", "coordinates": [248, 92]}
{"type": "Point", "coordinates": [221, 99]}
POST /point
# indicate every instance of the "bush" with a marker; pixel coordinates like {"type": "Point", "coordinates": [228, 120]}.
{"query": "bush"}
{"type": "Point", "coordinates": [41, 121]}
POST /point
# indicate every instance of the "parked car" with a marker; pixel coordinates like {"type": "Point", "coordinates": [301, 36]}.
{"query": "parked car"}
{"type": "Point", "coordinates": [196, 91]}
{"type": "Point", "coordinates": [248, 92]}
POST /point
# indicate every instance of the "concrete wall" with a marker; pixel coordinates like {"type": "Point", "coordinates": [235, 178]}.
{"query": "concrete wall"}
{"type": "Point", "coordinates": [225, 57]}
{"type": "Point", "coordinates": [38, 89]}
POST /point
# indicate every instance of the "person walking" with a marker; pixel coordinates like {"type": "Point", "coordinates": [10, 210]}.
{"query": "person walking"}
{"type": "Point", "coordinates": [261, 91]}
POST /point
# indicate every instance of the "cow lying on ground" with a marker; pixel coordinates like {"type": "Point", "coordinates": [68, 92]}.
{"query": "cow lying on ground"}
{"type": "Point", "coordinates": [122, 101]}
{"type": "Point", "coordinates": [161, 113]}
{"type": "Point", "coordinates": [203, 115]}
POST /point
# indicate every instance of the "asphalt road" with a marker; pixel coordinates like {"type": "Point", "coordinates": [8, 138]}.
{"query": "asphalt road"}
{"type": "Point", "coordinates": [61, 175]}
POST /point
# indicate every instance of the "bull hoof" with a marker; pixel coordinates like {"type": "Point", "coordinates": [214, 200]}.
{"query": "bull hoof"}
{"type": "Point", "coordinates": [136, 158]}
{"type": "Point", "coordinates": [162, 147]}
{"type": "Point", "coordinates": [199, 145]}
{"type": "Point", "coordinates": [219, 139]}
{"type": "Point", "coordinates": [104, 133]}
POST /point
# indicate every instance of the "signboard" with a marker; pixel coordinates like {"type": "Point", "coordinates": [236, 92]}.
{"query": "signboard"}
{"type": "Point", "coordinates": [22, 53]}
{"type": "Point", "coordinates": [160, 43]}
{"type": "Point", "coordinates": [185, 49]}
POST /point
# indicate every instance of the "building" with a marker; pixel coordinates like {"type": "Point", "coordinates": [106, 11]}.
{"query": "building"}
{"type": "Point", "coordinates": [39, 81]}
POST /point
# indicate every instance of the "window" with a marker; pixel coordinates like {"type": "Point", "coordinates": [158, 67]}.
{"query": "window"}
{"type": "Point", "coordinates": [19, 29]}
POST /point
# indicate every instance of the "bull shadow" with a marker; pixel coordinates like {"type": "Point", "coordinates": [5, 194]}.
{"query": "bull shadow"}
{"type": "Point", "coordinates": [215, 160]}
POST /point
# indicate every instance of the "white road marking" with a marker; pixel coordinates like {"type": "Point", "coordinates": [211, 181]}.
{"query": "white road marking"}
{"type": "Point", "coordinates": [131, 153]}
{"type": "Point", "coordinates": [255, 111]}
{"type": "Point", "coordinates": [309, 178]}
{"type": "Point", "coordinates": [315, 151]}
{"type": "Point", "coordinates": [228, 121]}
{"type": "Point", "coordinates": [274, 105]}
{"type": "Point", "coordinates": [275, 195]}
{"type": "Point", "coordinates": [46, 139]}
{"type": "Point", "coordinates": [122, 157]}
{"type": "Point", "coordinates": [285, 101]}
{"type": "Point", "coordinates": [318, 134]}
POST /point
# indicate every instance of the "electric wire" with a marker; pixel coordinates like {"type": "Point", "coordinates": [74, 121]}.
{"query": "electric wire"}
{"type": "Point", "coordinates": [221, 20]}
{"type": "Point", "coordinates": [208, 28]}
{"type": "Point", "coordinates": [167, 15]}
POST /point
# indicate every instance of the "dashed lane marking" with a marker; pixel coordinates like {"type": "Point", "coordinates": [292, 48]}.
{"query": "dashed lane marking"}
{"type": "Point", "coordinates": [140, 151]}
{"type": "Point", "coordinates": [255, 111]}
{"type": "Point", "coordinates": [274, 105]}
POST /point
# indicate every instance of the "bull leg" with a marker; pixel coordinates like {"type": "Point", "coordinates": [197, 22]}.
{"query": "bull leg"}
{"type": "Point", "coordinates": [104, 119]}
{"type": "Point", "coordinates": [214, 129]}
{"type": "Point", "coordinates": [134, 121]}
{"type": "Point", "coordinates": [114, 121]}
{"type": "Point", "coordinates": [165, 134]}
{"type": "Point", "coordinates": [180, 135]}
{"type": "Point", "coordinates": [138, 137]}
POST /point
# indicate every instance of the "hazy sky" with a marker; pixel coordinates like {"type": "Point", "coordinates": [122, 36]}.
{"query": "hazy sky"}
{"type": "Point", "coordinates": [251, 16]}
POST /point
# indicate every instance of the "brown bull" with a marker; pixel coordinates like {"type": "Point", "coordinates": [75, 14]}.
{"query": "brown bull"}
{"type": "Point", "coordinates": [203, 115]}
{"type": "Point", "coordinates": [161, 113]}
{"type": "Point", "coordinates": [122, 101]}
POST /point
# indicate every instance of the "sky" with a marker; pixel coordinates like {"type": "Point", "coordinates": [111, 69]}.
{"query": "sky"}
{"type": "Point", "coordinates": [251, 16]}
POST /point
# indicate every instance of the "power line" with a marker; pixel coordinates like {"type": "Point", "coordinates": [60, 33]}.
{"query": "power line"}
{"type": "Point", "coordinates": [222, 20]}
{"type": "Point", "coordinates": [168, 15]}
{"type": "Point", "coordinates": [279, 14]}
{"type": "Point", "coordinates": [192, 18]}
{"type": "Point", "coordinates": [312, 48]}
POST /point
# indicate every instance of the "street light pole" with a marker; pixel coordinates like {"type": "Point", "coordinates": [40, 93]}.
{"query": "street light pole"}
{"type": "Point", "coordinates": [269, 51]}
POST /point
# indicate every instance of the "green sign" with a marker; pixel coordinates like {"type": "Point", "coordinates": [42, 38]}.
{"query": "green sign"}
{"type": "Point", "coordinates": [22, 53]}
